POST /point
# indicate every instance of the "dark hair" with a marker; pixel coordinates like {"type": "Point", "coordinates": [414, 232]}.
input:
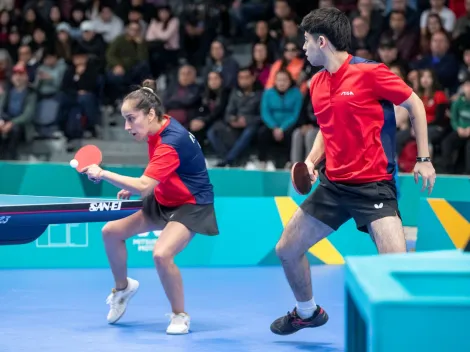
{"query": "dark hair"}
{"type": "Point", "coordinates": [435, 82]}
{"type": "Point", "coordinates": [245, 69]}
{"type": "Point", "coordinates": [146, 98]}
{"type": "Point", "coordinates": [330, 22]}
{"type": "Point", "coordinates": [288, 74]}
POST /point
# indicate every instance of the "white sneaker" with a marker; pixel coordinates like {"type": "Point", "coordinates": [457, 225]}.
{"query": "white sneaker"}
{"type": "Point", "coordinates": [179, 324]}
{"type": "Point", "coordinates": [118, 300]}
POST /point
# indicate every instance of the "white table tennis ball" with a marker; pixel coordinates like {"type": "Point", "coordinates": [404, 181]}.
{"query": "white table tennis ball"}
{"type": "Point", "coordinates": [74, 163]}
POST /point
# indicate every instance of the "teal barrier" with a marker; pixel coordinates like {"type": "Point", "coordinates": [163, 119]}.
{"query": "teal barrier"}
{"type": "Point", "coordinates": [61, 180]}
{"type": "Point", "coordinates": [393, 302]}
{"type": "Point", "coordinates": [443, 224]}
{"type": "Point", "coordinates": [249, 231]}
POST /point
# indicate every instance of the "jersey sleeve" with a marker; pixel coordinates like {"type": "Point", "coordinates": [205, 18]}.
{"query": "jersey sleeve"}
{"type": "Point", "coordinates": [164, 162]}
{"type": "Point", "coordinates": [388, 86]}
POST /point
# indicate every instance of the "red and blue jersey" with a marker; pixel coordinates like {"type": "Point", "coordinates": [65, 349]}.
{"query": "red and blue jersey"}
{"type": "Point", "coordinates": [355, 112]}
{"type": "Point", "coordinates": [177, 162]}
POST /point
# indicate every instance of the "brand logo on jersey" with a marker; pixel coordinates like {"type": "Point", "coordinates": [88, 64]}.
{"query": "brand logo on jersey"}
{"type": "Point", "coordinates": [105, 206]}
{"type": "Point", "coordinates": [193, 139]}
{"type": "Point", "coordinates": [4, 219]}
{"type": "Point", "coordinates": [347, 93]}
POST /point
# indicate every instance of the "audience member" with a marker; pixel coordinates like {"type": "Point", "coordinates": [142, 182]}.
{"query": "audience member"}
{"type": "Point", "coordinates": [80, 57]}
{"type": "Point", "coordinates": [232, 137]}
{"type": "Point", "coordinates": [17, 107]}
{"type": "Point", "coordinates": [459, 139]}
{"type": "Point", "coordinates": [280, 109]}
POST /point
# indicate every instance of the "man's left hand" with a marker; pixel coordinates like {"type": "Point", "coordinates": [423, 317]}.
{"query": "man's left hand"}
{"type": "Point", "coordinates": [428, 174]}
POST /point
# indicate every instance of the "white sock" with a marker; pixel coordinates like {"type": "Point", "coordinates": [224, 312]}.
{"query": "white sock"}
{"type": "Point", "coordinates": [306, 309]}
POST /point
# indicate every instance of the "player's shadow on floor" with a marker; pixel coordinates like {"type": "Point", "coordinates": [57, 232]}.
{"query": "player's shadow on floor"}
{"type": "Point", "coordinates": [310, 346]}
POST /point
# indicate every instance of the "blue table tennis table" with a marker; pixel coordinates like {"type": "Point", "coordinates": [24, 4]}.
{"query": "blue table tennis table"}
{"type": "Point", "coordinates": [24, 218]}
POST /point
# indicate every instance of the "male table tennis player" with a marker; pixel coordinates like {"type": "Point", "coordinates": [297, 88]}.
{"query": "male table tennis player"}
{"type": "Point", "coordinates": [353, 100]}
{"type": "Point", "coordinates": [178, 199]}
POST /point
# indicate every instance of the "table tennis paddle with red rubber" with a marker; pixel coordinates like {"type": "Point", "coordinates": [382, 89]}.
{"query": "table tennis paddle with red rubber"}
{"type": "Point", "coordinates": [86, 156]}
{"type": "Point", "coordinates": [301, 178]}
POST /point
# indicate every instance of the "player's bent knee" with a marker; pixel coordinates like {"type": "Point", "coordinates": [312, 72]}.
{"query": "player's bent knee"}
{"type": "Point", "coordinates": [111, 232]}
{"type": "Point", "coordinates": [162, 257]}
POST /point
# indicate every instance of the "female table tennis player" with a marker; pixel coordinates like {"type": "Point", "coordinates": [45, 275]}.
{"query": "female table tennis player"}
{"type": "Point", "coordinates": [178, 199]}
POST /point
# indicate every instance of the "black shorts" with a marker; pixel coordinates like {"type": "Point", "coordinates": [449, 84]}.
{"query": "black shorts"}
{"type": "Point", "coordinates": [199, 218]}
{"type": "Point", "coordinates": [335, 203]}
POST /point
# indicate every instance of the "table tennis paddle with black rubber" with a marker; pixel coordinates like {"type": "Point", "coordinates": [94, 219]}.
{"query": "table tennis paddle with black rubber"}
{"type": "Point", "coordinates": [86, 156]}
{"type": "Point", "coordinates": [301, 178]}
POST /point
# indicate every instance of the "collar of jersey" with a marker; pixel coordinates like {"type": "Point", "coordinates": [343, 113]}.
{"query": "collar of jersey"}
{"type": "Point", "coordinates": [156, 136]}
{"type": "Point", "coordinates": [343, 67]}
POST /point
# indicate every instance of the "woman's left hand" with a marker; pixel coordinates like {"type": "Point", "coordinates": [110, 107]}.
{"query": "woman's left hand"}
{"type": "Point", "coordinates": [94, 173]}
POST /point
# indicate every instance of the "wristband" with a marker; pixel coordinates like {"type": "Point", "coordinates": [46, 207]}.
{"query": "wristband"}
{"type": "Point", "coordinates": [421, 159]}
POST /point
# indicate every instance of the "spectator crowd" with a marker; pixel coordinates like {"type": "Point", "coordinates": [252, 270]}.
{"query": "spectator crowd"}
{"type": "Point", "coordinates": [63, 63]}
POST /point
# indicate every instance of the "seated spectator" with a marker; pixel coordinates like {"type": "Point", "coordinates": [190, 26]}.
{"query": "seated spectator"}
{"type": "Point", "coordinates": [196, 37]}
{"type": "Point", "coordinates": [17, 107]}
{"type": "Point", "coordinates": [435, 103]}
{"type": "Point", "coordinates": [163, 40]}
{"type": "Point", "coordinates": [49, 75]}
{"type": "Point", "coordinates": [280, 109]}
{"type": "Point", "coordinates": [182, 99]}
{"type": "Point", "coordinates": [459, 138]}
{"type": "Point", "coordinates": [362, 36]}
{"type": "Point", "coordinates": [79, 110]}
{"type": "Point", "coordinates": [411, 15]}
{"type": "Point", "coordinates": [366, 10]}
{"type": "Point", "coordinates": [5, 67]}
{"type": "Point", "coordinates": [282, 10]}
{"type": "Point", "coordinates": [433, 25]}
{"type": "Point", "coordinates": [405, 37]}
{"type": "Point", "coordinates": [25, 56]}
{"type": "Point", "coordinates": [220, 60]}
{"type": "Point", "coordinates": [127, 61]}
{"type": "Point", "coordinates": [105, 22]}
{"type": "Point", "coordinates": [231, 137]}
{"type": "Point", "coordinates": [262, 36]}
{"type": "Point", "coordinates": [5, 26]}
{"type": "Point", "coordinates": [304, 135]}
{"type": "Point", "coordinates": [92, 43]}
{"type": "Point", "coordinates": [291, 62]}
{"type": "Point", "coordinates": [55, 16]}
{"type": "Point", "coordinates": [260, 63]}
{"type": "Point", "coordinates": [76, 19]}
{"type": "Point", "coordinates": [14, 43]}
{"type": "Point", "coordinates": [40, 43]}
{"type": "Point", "coordinates": [290, 33]}
{"type": "Point", "coordinates": [462, 25]}
{"type": "Point", "coordinates": [442, 61]}
{"type": "Point", "coordinates": [212, 109]}
{"type": "Point", "coordinates": [464, 72]}
{"type": "Point", "coordinates": [63, 42]}
{"type": "Point", "coordinates": [438, 7]}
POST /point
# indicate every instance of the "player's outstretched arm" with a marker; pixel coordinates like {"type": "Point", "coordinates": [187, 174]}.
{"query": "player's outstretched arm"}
{"type": "Point", "coordinates": [141, 186]}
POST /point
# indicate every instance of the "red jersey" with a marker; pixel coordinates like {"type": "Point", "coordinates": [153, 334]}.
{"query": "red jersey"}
{"type": "Point", "coordinates": [177, 162]}
{"type": "Point", "coordinates": [355, 112]}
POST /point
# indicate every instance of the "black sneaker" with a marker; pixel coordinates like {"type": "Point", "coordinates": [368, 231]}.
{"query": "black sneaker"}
{"type": "Point", "coordinates": [291, 322]}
